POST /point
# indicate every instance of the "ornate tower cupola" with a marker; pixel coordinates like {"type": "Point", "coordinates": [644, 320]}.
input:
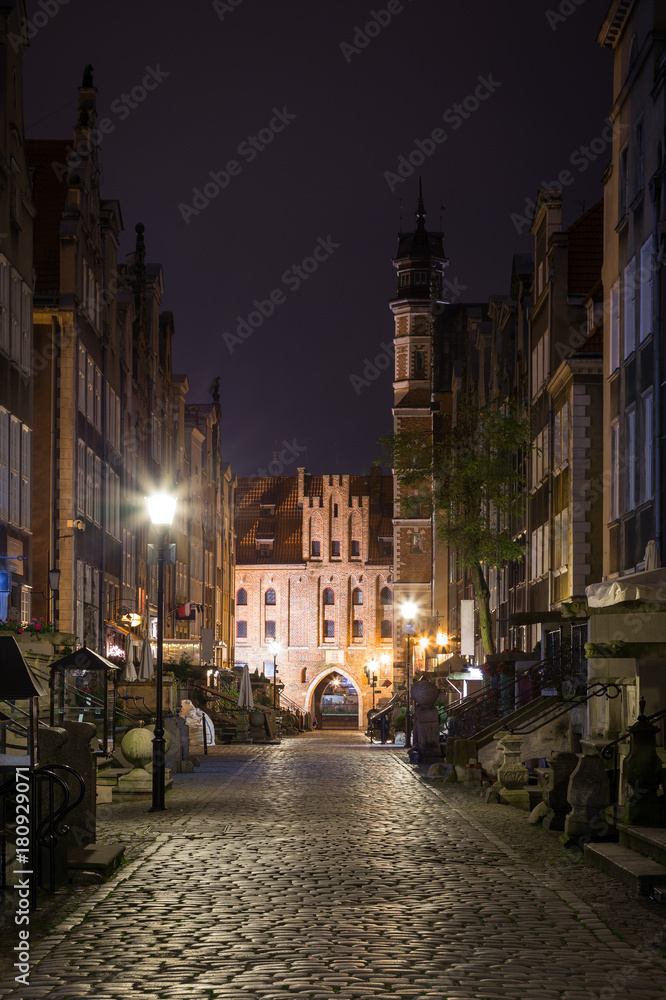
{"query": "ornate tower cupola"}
{"type": "Point", "coordinates": [420, 264]}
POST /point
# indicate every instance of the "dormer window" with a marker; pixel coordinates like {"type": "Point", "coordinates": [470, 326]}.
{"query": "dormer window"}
{"type": "Point", "coordinates": [404, 278]}
{"type": "Point", "coordinates": [420, 277]}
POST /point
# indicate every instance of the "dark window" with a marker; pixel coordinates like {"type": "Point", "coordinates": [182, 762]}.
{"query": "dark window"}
{"type": "Point", "coordinates": [270, 630]}
{"type": "Point", "coordinates": [329, 629]}
{"type": "Point", "coordinates": [335, 510]}
{"type": "Point", "coordinates": [623, 183]}
{"type": "Point", "coordinates": [357, 630]}
{"type": "Point", "coordinates": [387, 629]}
{"type": "Point", "coordinates": [420, 277]}
{"type": "Point", "coordinates": [241, 597]}
{"type": "Point", "coordinates": [270, 596]}
{"type": "Point", "coordinates": [419, 362]}
{"type": "Point", "coordinates": [404, 278]}
{"type": "Point", "coordinates": [335, 548]}
{"type": "Point", "coordinates": [355, 548]}
{"type": "Point", "coordinates": [241, 630]}
{"type": "Point", "coordinates": [315, 549]}
{"type": "Point", "coordinates": [357, 596]}
{"type": "Point", "coordinates": [385, 596]}
{"type": "Point", "coordinates": [329, 596]}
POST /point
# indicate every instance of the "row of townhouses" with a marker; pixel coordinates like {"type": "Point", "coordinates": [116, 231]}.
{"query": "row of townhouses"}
{"type": "Point", "coordinates": [92, 417]}
{"type": "Point", "coordinates": [576, 343]}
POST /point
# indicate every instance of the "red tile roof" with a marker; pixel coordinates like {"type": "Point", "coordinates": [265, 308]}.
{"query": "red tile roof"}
{"type": "Point", "coordinates": [255, 520]}
{"type": "Point", "coordinates": [49, 194]}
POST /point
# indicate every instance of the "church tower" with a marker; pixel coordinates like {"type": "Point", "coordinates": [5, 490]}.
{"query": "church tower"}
{"type": "Point", "coordinates": [420, 264]}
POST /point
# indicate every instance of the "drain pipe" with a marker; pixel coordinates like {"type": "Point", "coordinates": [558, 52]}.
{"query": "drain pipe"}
{"type": "Point", "coordinates": [655, 194]}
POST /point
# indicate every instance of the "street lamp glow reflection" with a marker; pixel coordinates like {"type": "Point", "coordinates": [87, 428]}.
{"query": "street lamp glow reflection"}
{"type": "Point", "coordinates": [161, 508]}
{"type": "Point", "coordinates": [442, 639]}
{"type": "Point", "coordinates": [424, 641]}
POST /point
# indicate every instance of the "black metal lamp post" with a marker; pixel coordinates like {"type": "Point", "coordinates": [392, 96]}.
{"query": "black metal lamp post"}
{"type": "Point", "coordinates": [54, 584]}
{"type": "Point", "coordinates": [162, 508]}
{"type": "Point", "coordinates": [373, 667]}
{"type": "Point", "coordinates": [275, 649]}
{"type": "Point", "coordinates": [408, 611]}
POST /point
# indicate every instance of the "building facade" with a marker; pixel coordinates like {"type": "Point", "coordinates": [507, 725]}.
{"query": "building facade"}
{"type": "Point", "coordinates": [314, 575]}
{"type": "Point", "coordinates": [17, 356]}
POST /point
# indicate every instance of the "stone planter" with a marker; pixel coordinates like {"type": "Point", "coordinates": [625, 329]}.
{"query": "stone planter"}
{"type": "Point", "coordinates": [512, 775]}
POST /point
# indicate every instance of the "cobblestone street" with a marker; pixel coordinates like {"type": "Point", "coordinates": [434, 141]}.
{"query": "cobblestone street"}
{"type": "Point", "coordinates": [324, 868]}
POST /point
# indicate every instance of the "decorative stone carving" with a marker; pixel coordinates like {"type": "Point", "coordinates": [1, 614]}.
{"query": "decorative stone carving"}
{"type": "Point", "coordinates": [588, 794]}
{"type": "Point", "coordinates": [561, 766]}
{"type": "Point", "coordinates": [643, 776]}
{"type": "Point", "coordinates": [137, 747]}
{"type": "Point", "coordinates": [512, 775]}
{"type": "Point", "coordinates": [426, 722]}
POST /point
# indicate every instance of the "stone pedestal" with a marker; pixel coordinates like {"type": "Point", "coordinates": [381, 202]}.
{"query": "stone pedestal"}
{"type": "Point", "coordinates": [137, 747]}
{"type": "Point", "coordinates": [426, 722]}
{"type": "Point", "coordinates": [643, 776]}
{"type": "Point", "coordinates": [242, 729]}
{"type": "Point", "coordinates": [588, 794]}
{"type": "Point", "coordinates": [258, 730]}
{"type": "Point", "coordinates": [178, 752]}
{"type": "Point", "coordinates": [70, 744]}
{"type": "Point", "coordinates": [561, 766]}
{"type": "Point", "coordinates": [512, 775]}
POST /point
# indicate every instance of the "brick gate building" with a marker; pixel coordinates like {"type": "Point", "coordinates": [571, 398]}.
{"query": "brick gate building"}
{"type": "Point", "coordinates": [314, 573]}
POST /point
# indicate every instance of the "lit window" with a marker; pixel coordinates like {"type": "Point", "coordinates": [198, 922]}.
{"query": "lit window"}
{"type": "Point", "coordinates": [614, 338]}
{"type": "Point", "coordinates": [417, 543]}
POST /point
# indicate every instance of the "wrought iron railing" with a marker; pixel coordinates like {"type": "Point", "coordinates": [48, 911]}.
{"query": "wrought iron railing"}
{"type": "Point", "coordinates": [560, 673]}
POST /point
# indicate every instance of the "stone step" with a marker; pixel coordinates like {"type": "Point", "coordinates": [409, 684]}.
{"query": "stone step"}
{"type": "Point", "coordinates": [649, 841]}
{"type": "Point", "coordinates": [100, 858]}
{"type": "Point", "coordinates": [627, 866]}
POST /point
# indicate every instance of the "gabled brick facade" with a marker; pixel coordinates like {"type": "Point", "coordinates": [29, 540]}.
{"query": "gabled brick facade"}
{"type": "Point", "coordinates": [314, 572]}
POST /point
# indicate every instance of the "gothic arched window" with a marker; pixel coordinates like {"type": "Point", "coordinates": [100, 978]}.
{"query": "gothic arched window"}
{"type": "Point", "coordinates": [241, 597]}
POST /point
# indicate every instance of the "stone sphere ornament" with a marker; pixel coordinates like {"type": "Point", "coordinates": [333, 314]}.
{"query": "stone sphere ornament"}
{"type": "Point", "coordinates": [137, 747]}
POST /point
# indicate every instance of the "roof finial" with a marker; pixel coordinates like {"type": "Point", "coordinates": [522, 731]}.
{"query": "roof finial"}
{"type": "Point", "coordinates": [420, 211]}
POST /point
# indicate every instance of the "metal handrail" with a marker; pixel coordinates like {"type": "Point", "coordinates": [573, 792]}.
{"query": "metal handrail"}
{"type": "Point", "coordinates": [49, 829]}
{"type": "Point", "coordinates": [567, 704]}
{"type": "Point", "coordinates": [607, 751]}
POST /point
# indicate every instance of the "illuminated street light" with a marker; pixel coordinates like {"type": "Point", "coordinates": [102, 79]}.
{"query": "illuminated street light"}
{"type": "Point", "coordinates": [408, 611]}
{"type": "Point", "coordinates": [161, 508]}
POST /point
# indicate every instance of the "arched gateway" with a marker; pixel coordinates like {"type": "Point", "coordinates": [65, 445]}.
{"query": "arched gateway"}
{"type": "Point", "coordinates": [335, 701]}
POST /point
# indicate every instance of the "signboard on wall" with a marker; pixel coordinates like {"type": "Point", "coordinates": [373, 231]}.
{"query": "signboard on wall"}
{"type": "Point", "coordinates": [467, 628]}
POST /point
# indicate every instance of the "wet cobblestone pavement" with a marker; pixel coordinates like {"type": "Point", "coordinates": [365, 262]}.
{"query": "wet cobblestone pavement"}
{"type": "Point", "coordinates": [324, 868]}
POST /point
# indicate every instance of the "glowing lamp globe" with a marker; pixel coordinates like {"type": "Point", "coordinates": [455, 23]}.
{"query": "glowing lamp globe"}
{"type": "Point", "coordinates": [161, 508]}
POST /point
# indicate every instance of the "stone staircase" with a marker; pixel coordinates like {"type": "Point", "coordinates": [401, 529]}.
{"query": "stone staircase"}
{"type": "Point", "coordinates": [638, 860]}
{"type": "Point", "coordinates": [516, 719]}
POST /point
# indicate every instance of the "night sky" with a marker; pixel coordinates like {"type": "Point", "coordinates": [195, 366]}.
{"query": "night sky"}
{"type": "Point", "coordinates": [314, 118]}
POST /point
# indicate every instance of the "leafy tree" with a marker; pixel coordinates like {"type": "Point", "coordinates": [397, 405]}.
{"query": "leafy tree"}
{"type": "Point", "coordinates": [470, 473]}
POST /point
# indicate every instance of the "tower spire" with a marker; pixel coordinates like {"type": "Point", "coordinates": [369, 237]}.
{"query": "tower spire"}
{"type": "Point", "coordinates": [420, 210]}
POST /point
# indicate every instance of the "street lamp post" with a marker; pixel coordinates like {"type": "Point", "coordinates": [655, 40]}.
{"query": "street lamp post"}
{"type": "Point", "coordinates": [373, 667]}
{"type": "Point", "coordinates": [408, 611]}
{"type": "Point", "coordinates": [275, 649]}
{"type": "Point", "coordinates": [161, 508]}
{"type": "Point", "coordinates": [54, 585]}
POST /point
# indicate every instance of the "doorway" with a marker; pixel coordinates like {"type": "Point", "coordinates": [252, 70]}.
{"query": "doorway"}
{"type": "Point", "coordinates": [335, 702]}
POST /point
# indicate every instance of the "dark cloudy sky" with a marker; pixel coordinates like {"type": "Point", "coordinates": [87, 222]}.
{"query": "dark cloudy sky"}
{"type": "Point", "coordinates": [219, 73]}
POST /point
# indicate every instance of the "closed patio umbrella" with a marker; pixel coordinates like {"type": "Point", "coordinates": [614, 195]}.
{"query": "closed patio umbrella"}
{"type": "Point", "coordinates": [245, 699]}
{"type": "Point", "coordinates": [146, 669]}
{"type": "Point", "coordinates": [129, 674]}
